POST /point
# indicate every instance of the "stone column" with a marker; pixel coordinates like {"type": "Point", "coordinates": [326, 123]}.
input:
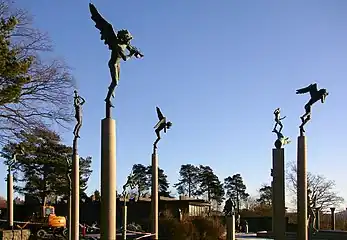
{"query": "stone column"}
{"type": "Point", "coordinates": [332, 218]}
{"type": "Point", "coordinates": [317, 218]}
{"type": "Point", "coordinates": [70, 215]}
{"type": "Point", "coordinates": [10, 199]}
{"type": "Point", "coordinates": [75, 219]}
{"type": "Point", "coordinates": [108, 179]}
{"type": "Point", "coordinates": [155, 197]}
{"type": "Point", "coordinates": [302, 189]}
{"type": "Point", "coordinates": [273, 203]}
{"type": "Point", "coordinates": [230, 222]}
{"type": "Point", "coordinates": [278, 203]}
{"type": "Point", "coordinates": [125, 220]}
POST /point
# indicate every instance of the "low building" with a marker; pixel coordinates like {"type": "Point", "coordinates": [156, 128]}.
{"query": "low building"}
{"type": "Point", "coordinates": [183, 205]}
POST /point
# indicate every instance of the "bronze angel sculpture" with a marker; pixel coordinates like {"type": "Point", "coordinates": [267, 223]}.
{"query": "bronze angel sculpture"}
{"type": "Point", "coordinates": [118, 43]}
{"type": "Point", "coordinates": [316, 95]}
{"type": "Point", "coordinates": [163, 124]}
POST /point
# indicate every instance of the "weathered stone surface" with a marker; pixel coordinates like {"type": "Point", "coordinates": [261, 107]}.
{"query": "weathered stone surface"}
{"type": "Point", "coordinates": [25, 234]}
{"type": "Point", "coordinates": [15, 234]}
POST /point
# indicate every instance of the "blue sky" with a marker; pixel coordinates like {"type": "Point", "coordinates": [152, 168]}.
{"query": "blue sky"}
{"type": "Point", "coordinates": [217, 69]}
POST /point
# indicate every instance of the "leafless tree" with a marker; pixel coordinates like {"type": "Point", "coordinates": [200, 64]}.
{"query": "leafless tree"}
{"type": "Point", "coordinates": [47, 98]}
{"type": "Point", "coordinates": [318, 185]}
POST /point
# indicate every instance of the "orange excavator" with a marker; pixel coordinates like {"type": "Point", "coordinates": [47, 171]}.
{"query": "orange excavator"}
{"type": "Point", "coordinates": [48, 223]}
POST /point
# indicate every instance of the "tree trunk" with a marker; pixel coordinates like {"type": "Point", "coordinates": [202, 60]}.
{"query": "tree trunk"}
{"type": "Point", "coordinates": [189, 189]}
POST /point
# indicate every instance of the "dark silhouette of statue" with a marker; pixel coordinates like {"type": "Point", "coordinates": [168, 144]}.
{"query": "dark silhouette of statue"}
{"type": "Point", "coordinates": [229, 208]}
{"type": "Point", "coordinates": [278, 119]}
{"type": "Point", "coordinates": [78, 102]}
{"type": "Point", "coordinates": [130, 183]}
{"type": "Point", "coordinates": [281, 140]}
{"type": "Point", "coordinates": [311, 214]}
{"type": "Point", "coordinates": [163, 124]}
{"type": "Point", "coordinates": [117, 42]}
{"type": "Point", "coordinates": [316, 95]}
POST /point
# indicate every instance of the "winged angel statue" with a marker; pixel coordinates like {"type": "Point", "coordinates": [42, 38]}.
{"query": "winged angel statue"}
{"type": "Point", "coordinates": [117, 42]}
{"type": "Point", "coordinates": [316, 95]}
{"type": "Point", "coordinates": [162, 124]}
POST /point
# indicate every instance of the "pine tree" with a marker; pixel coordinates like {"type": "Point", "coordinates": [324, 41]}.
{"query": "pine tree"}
{"type": "Point", "coordinates": [235, 189]}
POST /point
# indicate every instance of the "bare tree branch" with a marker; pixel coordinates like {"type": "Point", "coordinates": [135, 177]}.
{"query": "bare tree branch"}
{"type": "Point", "coordinates": [47, 98]}
{"type": "Point", "coordinates": [318, 185]}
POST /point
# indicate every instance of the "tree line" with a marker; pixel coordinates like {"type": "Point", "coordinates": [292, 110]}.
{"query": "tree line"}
{"type": "Point", "coordinates": [194, 181]}
{"type": "Point", "coordinates": [201, 182]}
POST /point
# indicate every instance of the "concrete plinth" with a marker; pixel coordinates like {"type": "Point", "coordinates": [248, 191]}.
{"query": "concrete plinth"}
{"type": "Point", "coordinates": [155, 196]}
{"type": "Point", "coordinates": [302, 189]}
{"type": "Point", "coordinates": [278, 203]}
{"type": "Point", "coordinates": [75, 198]}
{"type": "Point", "coordinates": [230, 222]}
{"type": "Point", "coordinates": [10, 200]}
{"type": "Point", "coordinates": [125, 221]}
{"type": "Point", "coordinates": [108, 179]}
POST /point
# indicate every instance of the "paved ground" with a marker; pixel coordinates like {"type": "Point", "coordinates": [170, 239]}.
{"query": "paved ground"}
{"type": "Point", "coordinates": [249, 236]}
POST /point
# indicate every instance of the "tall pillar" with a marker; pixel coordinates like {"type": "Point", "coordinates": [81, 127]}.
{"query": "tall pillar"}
{"type": "Point", "coordinates": [70, 215]}
{"type": "Point", "coordinates": [230, 222]}
{"type": "Point", "coordinates": [108, 179]}
{"type": "Point", "coordinates": [302, 189]}
{"type": "Point", "coordinates": [125, 220]}
{"type": "Point", "coordinates": [75, 218]}
{"type": "Point", "coordinates": [278, 203]}
{"type": "Point", "coordinates": [10, 199]}
{"type": "Point", "coordinates": [273, 203]}
{"type": "Point", "coordinates": [155, 196]}
{"type": "Point", "coordinates": [317, 218]}
{"type": "Point", "coordinates": [332, 218]}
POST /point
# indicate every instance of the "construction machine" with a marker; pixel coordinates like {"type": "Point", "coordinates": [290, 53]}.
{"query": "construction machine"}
{"type": "Point", "coordinates": [47, 223]}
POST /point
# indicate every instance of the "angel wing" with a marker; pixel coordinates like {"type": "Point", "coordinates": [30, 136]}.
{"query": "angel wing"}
{"type": "Point", "coordinates": [106, 29]}
{"type": "Point", "coordinates": [160, 116]}
{"type": "Point", "coordinates": [311, 88]}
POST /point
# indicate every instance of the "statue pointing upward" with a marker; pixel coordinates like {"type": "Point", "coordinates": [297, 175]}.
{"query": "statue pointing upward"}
{"type": "Point", "coordinates": [117, 42]}
{"type": "Point", "coordinates": [281, 139]}
{"type": "Point", "coordinates": [78, 102]}
{"type": "Point", "coordinates": [278, 119]}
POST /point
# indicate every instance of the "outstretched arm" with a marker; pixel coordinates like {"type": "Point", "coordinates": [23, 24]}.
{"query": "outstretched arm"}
{"type": "Point", "coordinates": [283, 118]}
{"type": "Point", "coordinates": [124, 57]}
{"type": "Point", "coordinates": [133, 51]}
{"type": "Point", "coordinates": [82, 100]}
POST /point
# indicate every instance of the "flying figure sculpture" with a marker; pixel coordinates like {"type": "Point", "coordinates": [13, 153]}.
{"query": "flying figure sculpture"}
{"type": "Point", "coordinates": [163, 124]}
{"type": "Point", "coordinates": [117, 42]}
{"type": "Point", "coordinates": [316, 95]}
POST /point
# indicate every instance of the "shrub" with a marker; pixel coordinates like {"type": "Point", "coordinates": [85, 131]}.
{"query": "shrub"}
{"type": "Point", "coordinates": [172, 229]}
{"type": "Point", "coordinates": [197, 228]}
{"type": "Point", "coordinates": [208, 228]}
